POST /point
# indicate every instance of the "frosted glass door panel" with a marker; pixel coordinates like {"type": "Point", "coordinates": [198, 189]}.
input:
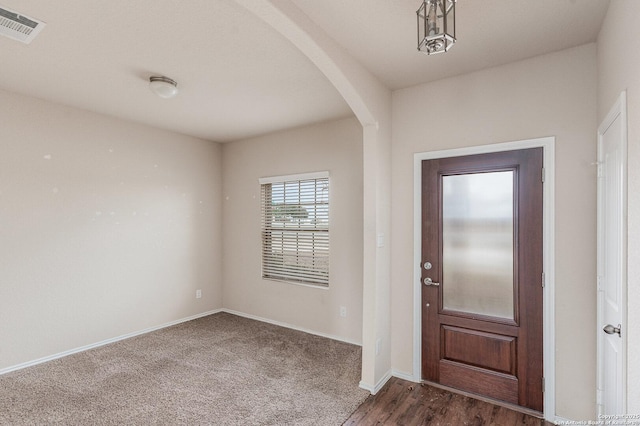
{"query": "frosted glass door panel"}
{"type": "Point", "coordinates": [477, 243]}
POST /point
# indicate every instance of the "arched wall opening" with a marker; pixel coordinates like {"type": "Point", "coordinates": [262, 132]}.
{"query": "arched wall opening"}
{"type": "Point", "coordinates": [370, 101]}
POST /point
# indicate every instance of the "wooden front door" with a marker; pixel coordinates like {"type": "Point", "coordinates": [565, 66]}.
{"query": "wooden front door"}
{"type": "Point", "coordinates": [482, 275]}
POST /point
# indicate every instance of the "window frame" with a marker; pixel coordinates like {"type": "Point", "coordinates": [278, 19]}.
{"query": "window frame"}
{"type": "Point", "coordinates": [304, 241]}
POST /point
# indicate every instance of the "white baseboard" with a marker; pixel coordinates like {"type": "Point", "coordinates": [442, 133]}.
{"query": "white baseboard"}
{"type": "Point", "coordinates": [292, 327]}
{"type": "Point", "coordinates": [383, 381]}
{"type": "Point", "coordinates": [404, 376]}
{"type": "Point", "coordinates": [102, 343]}
{"type": "Point", "coordinates": [169, 324]}
{"type": "Point", "coordinates": [376, 388]}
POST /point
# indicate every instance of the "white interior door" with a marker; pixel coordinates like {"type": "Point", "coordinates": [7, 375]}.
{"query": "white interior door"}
{"type": "Point", "coordinates": [612, 279]}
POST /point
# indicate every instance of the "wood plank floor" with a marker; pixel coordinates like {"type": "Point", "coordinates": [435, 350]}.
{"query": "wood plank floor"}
{"type": "Point", "coordinates": [401, 402]}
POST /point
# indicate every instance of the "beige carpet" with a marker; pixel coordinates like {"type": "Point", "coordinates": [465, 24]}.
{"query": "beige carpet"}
{"type": "Point", "coordinates": [217, 370]}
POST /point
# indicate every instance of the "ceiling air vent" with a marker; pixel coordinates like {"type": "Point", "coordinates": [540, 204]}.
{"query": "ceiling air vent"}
{"type": "Point", "coordinates": [19, 27]}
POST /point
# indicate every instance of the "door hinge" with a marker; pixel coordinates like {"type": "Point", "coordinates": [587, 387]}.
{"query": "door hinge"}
{"type": "Point", "coordinates": [599, 281]}
{"type": "Point", "coordinates": [599, 169]}
{"type": "Point", "coordinates": [543, 173]}
{"type": "Point", "coordinates": [543, 385]}
{"type": "Point", "coordinates": [543, 280]}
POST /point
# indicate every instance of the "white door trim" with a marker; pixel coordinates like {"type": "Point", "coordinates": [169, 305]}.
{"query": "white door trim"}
{"type": "Point", "coordinates": [548, 145]}
{"type": "Point", "coordinates": [618, 110]}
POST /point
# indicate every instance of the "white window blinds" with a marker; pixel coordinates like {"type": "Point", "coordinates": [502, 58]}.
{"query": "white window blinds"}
{"type": "Point", "coordinates": [295, 228]}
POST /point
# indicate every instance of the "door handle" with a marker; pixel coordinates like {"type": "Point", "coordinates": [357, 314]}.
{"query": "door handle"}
{"type": "Point", "coordinates": [609, 329]}
{"type": "Point", "coordinates": [428, 281]}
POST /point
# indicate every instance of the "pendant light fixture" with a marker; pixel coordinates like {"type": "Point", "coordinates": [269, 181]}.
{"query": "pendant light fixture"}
{"type": "Point", "coordinates": [163, 86]}
{"type": "Point", "coordinates": [436, 26]}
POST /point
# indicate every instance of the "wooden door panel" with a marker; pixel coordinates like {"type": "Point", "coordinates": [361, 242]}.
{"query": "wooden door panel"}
{"type": "Point", "coordinates": [487, 326]}
{"type": "Point", "coordinates": [495, 353]}
{"type": "Point", "coordinates": [488, 351]}
{"type": "Point", "coordinates": [477, 380]}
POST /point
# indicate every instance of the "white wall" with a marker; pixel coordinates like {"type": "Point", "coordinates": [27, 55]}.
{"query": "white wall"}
{"type": "Point", "coordinates": [551, 95]}
{"type": "Point", "coordinates": [106, 228]}
{"type": "Point", "coordinates": [334, 146]}
{"type": "Point", "coordinates": [618, 70]}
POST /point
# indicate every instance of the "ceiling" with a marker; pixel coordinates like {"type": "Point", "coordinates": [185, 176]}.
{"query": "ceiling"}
{"type": "Point", "coordinates": [238, 77]}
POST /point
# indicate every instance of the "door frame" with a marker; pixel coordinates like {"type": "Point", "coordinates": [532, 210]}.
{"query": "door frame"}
{"type": "Point", "coordinates": [548, 145]}
{"type": "Point", "coordinates": [618, 110]}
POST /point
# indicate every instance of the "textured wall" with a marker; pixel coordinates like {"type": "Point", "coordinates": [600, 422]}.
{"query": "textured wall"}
{"type": "Point", "coordinates": [551, 95]}
{"type": "Point", "coordinates": [337, 147]}
{"type": "Point", "coordinates": [618, 70]}
{"type": "Point", "coordinates": [106, 228]}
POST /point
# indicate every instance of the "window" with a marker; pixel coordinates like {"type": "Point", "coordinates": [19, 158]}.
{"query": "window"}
{"type": "Point", "coordinates": [295, 228]}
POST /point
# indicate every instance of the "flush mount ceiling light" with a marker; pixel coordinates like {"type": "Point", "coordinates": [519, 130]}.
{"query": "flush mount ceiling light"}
{"type": "Point", "coordinates": [163, 86]}
{"type": "Point", "coordinates": [436, 26]}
